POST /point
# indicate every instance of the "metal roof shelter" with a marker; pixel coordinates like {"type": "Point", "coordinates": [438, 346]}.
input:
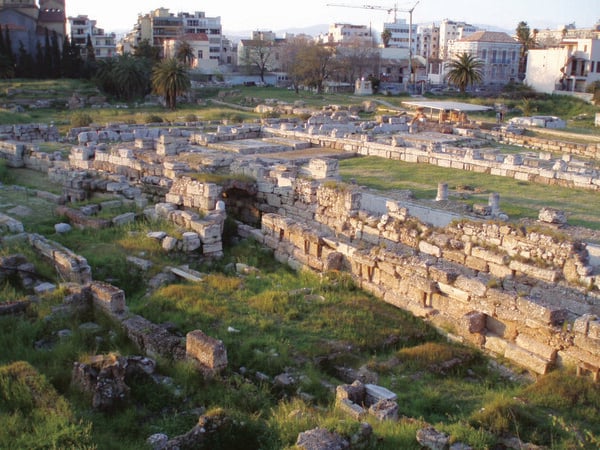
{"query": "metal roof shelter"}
{"type": "Point", "coordinates": [448, 112]}
{"type": "Point", "coordinates": [448, 106]}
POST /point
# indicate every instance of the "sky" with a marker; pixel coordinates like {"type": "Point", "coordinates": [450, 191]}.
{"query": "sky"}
{"type": "Point", "coordinates": [281, 15]}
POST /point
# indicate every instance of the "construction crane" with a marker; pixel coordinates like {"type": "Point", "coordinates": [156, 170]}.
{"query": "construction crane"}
{"type": "Point", "coordinates": [389, 10]}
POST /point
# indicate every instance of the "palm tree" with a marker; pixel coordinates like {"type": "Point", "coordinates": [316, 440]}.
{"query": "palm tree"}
{"type": "Point", "coordinates": [527, 40]}
{"type": "Point", "coordinates": [465, 70]}
{"type": "Point", "coordinates": [170, 79]}
{"type": "Point", "coordinates": [386, 36]}
{"type": "Point", "coordinates": [185, 53]}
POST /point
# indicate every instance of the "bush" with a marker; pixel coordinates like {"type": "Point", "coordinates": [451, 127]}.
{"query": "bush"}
{"type": "Point", "coordinates": [81, 119]}
{"type": "Point", "coordinates": [153, 118]}
{"type": "Point", "coordinates": [191, 118]}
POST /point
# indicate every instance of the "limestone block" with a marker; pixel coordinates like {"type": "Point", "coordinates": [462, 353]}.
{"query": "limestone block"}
{"type": "Point", "coordinates": [376, 393]}
{"type": "Point", "coordinates": [454, 292]}
{"type": "Point", "coordinates": [108, 297]}
{"type": "Point", "coordinates": [169, 243]}
{"type": "Point", "coordinates": [190, 241]}
{"type": "Point", "coordinates": [353, 410]}
{"type": "Point", "coordinates": [384, 410]}
{"type": "Point", "coordinates": [430, 249]}
{"type": "Point", "coordinates": [527, 359]}
{"type": "Point", "coordinates": [490, 256]}
{"type": "Point", "coordinates": [499, 271]}
{"type": "Point", "coordinates": [495, 344]}
{"type": "Point", "coordinates": [533, 345]}
{"type": "Point", "coordinates": [123, 219]}
{"type": "Point", "coordinates": [209, 352]}
{"type": "Point", "coordinates": [534, 271]}
{"type": "Point", "coordinates": [473, 286]}
{"type": "Point", "coordinates": [541, 312]}
{"type": "Point", "coordinates": [474, 322]}
{"type": "Point", "coordinates": [472, 262]}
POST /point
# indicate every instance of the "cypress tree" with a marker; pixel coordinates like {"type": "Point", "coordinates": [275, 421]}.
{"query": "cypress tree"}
{"type": "Point", "coordinates": [55, 56]}
{"type": "Point", "coordinates": [8, 45]}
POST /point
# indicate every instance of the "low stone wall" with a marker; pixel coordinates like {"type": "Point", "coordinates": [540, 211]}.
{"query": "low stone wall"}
{"type": "Point", "coordinates": [510, 291]}
{"type": "Point", "coordinates": [29, 132]}
{"type": "Point", "coordinates": [562, 172]}
{"type": "Point", "coordinates": [590, 151]}
{"type": "Point", "coordinates": [69, 265]}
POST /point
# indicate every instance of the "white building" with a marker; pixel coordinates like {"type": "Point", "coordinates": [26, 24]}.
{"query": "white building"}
{"type": "Point", "coordinates": [80, 27]}
{"type": "Point", "coordinates": [200, 46]}
{"type": "Point", "coordinates": [453, 31]}
{"type": "Point", "coordinates": [401, 34]}
{"type": "Point", "coordinates": [345, 33]}
{"type": "Point", "coordinates": [498, 51]}
{"type": "Point", "coordinates": [571, 66]}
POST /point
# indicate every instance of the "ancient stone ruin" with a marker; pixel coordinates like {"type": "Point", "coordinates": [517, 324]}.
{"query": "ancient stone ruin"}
{"type": "Point", "coordinates": [530, 296]}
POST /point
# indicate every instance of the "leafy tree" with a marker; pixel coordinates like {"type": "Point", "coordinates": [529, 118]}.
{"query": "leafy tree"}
{"type": "Point", "coordinates": [146, 50]}
{"type": "Point", "coordinates": [386, 37]}
{"type": "Point", "coordinates": [125, 77]}
{"type": "Point", "coordinates": [290, 51]}
{"type": "Point", "coordinates": [71, 62]}
{"type": "Point", "coordinates": [527, 40]}
{"type": "Point", "coordinates": [313, 65]}
{"type": "Point", "coordinates": [184, 53]}
{"type": "Point", "coordinates": [465, 70]}
{"type": "Point", "coordinates": [170, 79]}
{"type": "Point", "coordinates": [355, 60]}
{"type": "Point", "coordinates": [258, 55]}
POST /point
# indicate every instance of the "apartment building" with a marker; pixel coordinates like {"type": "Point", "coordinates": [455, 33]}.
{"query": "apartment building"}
{"type": "Point", "coordinates": [428, 41]}
{"type": "Point", "coordinates": [200, 46]}
{"type": "Point", "coordinates": [345, 33]}
{"type": "Point", "coordinates": [570, 66]}
{"type": "Point", "coordinates": [452, 31]}
{"type": "Point", "coordinates": [80, 27]}
{"type": "Point", "coordinates": [160, 25]}
{"type": "Point", "coordinates": [401, 35]}
{"type": "Point", "coordinates": [498, 51]}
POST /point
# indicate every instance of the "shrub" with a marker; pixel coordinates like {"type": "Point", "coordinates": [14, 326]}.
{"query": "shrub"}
{"type": "Point", "coordinates": [153, 118]}
{"type": "Point", "coordinates": [81, 119]}
{"type": "Point", "coordinates": [5, 174]}
{"type": "Point", "coordinates": [191, 118]}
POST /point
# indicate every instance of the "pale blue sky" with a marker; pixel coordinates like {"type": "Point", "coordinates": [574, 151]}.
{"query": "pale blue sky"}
{"type": "Point", "coordinates": [113, 15]}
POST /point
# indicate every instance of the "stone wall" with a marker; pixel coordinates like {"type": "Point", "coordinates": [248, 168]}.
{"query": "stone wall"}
{"type": "Point", "coordinates": [509, 291]}
{"type": "Point", "coordinates": [542, 168]}
{"type": "Point", "coordinates": [69, 265]}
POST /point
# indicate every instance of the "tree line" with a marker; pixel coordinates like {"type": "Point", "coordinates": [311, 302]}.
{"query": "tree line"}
{"type": "Point", "coordinates": [50, 59]}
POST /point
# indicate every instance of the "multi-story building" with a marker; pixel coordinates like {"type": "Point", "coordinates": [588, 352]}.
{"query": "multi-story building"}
{"type": "Point", "coordinates": [498, 51]}
{"type": "Point", "coordinates": [80, 27]}
{"type": "Point", "coordinates": [452, 31]}
{"type": "Point", "coordinates": [345, 33]}
{"type": "Point", "coordinates": [27, 22]}
{"type": "Point", "coordinates": [161, 25]}
{"type": "Point", "coordinates": [401, 35]}
{"type": "Point", "coordinates": [571, 66]}
{"type": "Point", "coordinates": [200, 46]}
{"type": "Point", "coordinates": [428, 41]}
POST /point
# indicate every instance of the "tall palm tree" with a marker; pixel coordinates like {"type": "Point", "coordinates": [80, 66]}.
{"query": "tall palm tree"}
{"type": "Point", "coordinates": [386, 36]}
{"type": "Point", "coordinates": [184, 53]}
{"type": "Point", "coordinates": [527, 40]}
{"type": "Point", "coordinates": [465, 70]}
{"type": "Point", "coordinates": [170, 79]}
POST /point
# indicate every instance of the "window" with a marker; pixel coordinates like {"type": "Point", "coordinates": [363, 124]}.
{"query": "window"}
{"type": "Point", "coordinates": [591, 66]}
{"type": "Point", "coordinates": [200, 54]}
{"type": "Point", "coordinates": [484, 54]}
{"type": "Point", "coordinates": [598, 67]}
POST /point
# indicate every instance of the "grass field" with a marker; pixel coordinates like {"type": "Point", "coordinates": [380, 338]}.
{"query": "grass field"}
{"type": "Point", "coordinates": [518, 199]}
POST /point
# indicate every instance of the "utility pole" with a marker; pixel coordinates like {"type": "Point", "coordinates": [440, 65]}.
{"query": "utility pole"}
{"type": "Point", "coordinates": [410, 44]}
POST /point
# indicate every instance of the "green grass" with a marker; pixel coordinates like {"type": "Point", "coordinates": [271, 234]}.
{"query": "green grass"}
{"type": "Point", "coordinates": [519, 199]}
